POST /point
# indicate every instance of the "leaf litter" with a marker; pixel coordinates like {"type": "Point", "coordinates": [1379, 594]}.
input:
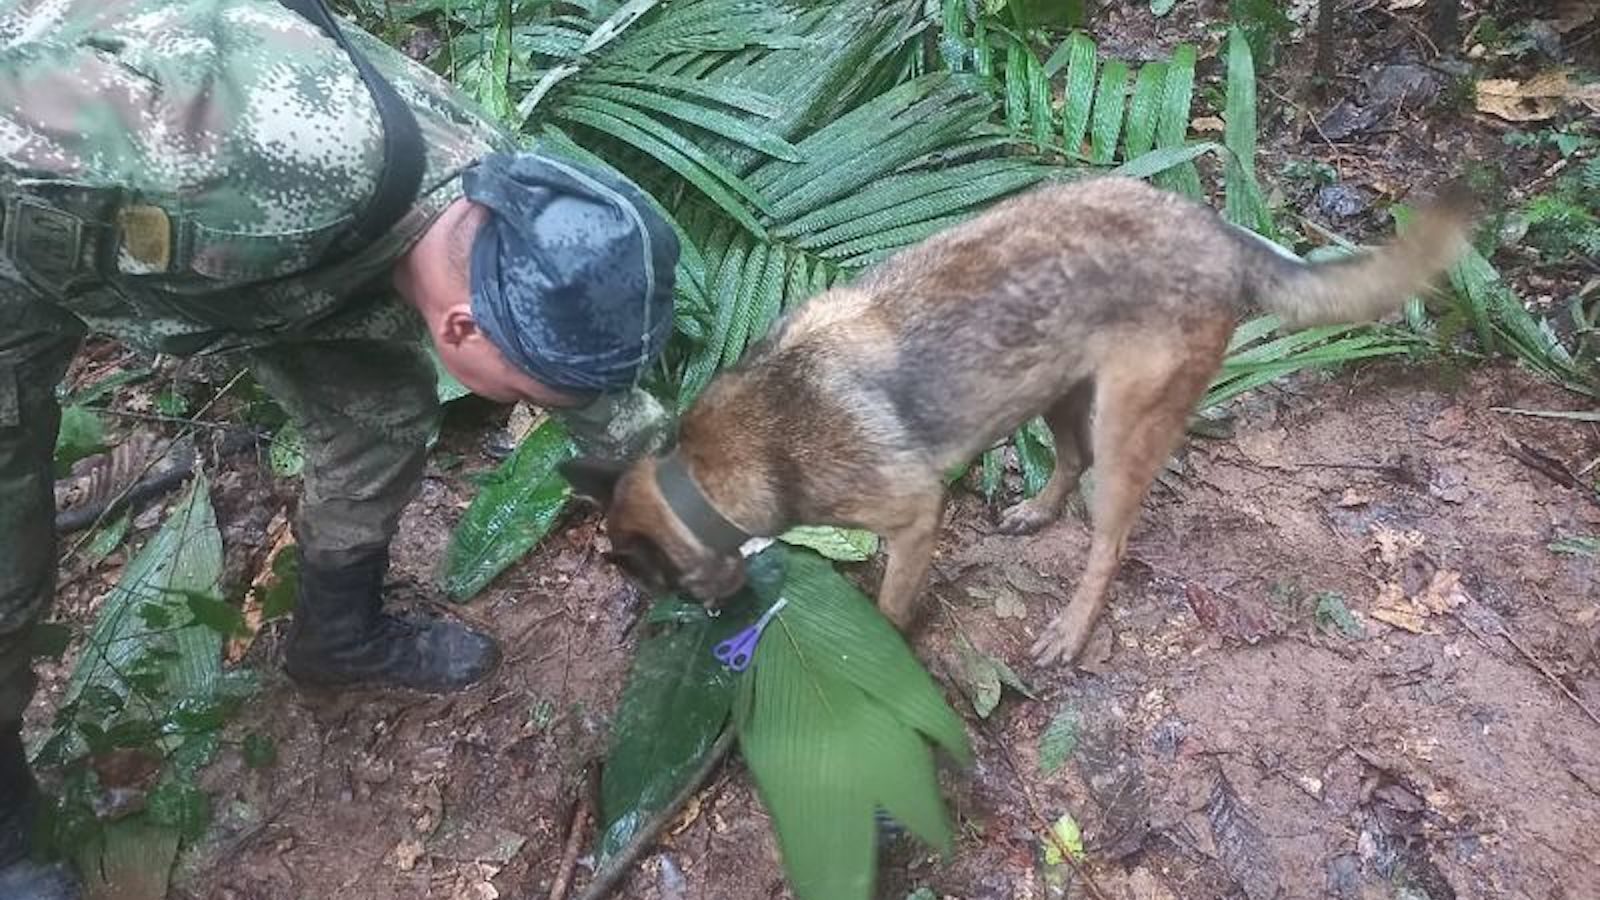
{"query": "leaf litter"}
{"type": "Point", "coordinates": [1242, 847]}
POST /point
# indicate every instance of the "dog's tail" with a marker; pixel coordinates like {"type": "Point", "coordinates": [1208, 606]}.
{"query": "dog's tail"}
{"type": "Point", "coordinates": [1366, 285]}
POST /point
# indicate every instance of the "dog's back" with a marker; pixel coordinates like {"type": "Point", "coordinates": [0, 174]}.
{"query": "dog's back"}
{"type": "Point", "coordinates": [961, 338]}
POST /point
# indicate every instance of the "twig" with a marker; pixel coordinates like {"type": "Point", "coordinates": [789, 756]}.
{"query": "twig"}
{"type": "Point", "coordinates": [1315, 125]}
{"type": "Point", "coordinates": [169, 420]}
{"type": "Point", "coordinates": [1403, 20]}
{"type": "Point", "coordinates": [1043, 823]}
{"type": "Point", "coordinates": [583, 812]}
{"type": "Point", "coordinates": [1547, 466]}
{"type": "Point", "coordinates": [606, 878]}
{"type": "Point", "coordinates": [1534, 661]}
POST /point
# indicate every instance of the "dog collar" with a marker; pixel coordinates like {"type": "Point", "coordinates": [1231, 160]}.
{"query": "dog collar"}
{"type": "Point", "coordinates": [692, 507]}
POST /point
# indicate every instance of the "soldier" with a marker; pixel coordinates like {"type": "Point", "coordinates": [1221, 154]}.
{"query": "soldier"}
{"type": "Point", "coordinates": [199, 176]}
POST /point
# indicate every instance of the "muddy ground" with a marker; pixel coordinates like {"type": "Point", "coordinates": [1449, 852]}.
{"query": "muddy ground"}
{"type": "Point", "coordinates": [1237, 734]}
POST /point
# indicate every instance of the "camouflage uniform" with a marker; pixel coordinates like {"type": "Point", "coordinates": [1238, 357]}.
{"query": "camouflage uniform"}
{"type": "Point", "coordinates": [210, 151]}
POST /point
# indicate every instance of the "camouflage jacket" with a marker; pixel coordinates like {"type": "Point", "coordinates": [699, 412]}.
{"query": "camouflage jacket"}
{"type": "Point", "coordinates": [223, 145]}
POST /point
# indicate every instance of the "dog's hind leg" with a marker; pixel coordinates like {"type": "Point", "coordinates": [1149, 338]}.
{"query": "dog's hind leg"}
{"type": "Point", "coordinates": [1143, 406]}
{"type": "Point", "coordinates": [1068, 419]}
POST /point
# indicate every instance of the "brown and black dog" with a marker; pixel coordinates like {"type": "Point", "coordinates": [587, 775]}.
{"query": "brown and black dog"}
{"type": "Point", "coordinates": [1105, 294]}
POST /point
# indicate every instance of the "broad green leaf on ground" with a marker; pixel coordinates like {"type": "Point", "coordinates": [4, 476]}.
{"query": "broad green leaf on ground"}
{"type": "Point", "coordinates": [1036, 455]}
{"type": "Point", "coordinates": [107, 538]}
{"type": "Point", "coordinates": [673, 709]}
{"type": "Point", "coordinates": [983, 677]}
{"type": "Point", "coordinates": [511, 513]}
{"type": "Point", "coordinates": [1065, 838]}
{"type": "Point", "coordinates": [170, 401]}
{"type": "Point", "coordinates": [123, 652]}
{"type": "Point", "coordinates": [218, 615]}
{"type": "Point", "coordinates": [1498, 317]}
{"type": "Point", "coordinates": [287, 453]}
{"type": "Point", "coordinates": [1254, 360]}
{"type": "Point", "coordinates": [81, 434]}
{"type": "Point", "coordinates": [840, 544]}
{"type": "Point", "coordinates": [834, 717]}
{"type": "Point", "coordinates": [1332, 613]}
{"type": "Point", "coordinates": [105, 386]}
{"type": "Point", "coordinates": [129, 860]}
{"type": "Point", "coordinates": [1058, 740]}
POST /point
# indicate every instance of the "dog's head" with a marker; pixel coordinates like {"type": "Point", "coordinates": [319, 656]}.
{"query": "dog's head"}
{"type": "Point", "coordinates": [649, 542]}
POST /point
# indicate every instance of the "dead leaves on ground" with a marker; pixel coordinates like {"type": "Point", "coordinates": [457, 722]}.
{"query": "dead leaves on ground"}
{"type": "Point", "coordinates": [1536, 99]}
{"type": "Point", "coordinates": [1241, 846]}
{"type": "Point", "coordinates": [1399, 554]}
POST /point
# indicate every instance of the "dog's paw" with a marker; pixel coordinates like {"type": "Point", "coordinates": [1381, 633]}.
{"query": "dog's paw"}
{"type": "Point", "coordinates": [1026, 517]}
{"type": "Point", "coordinates": [1061, 643]}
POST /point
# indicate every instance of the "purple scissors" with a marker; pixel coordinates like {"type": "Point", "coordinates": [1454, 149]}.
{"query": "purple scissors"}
{"type": "Point", "coordinates": [737, 651]}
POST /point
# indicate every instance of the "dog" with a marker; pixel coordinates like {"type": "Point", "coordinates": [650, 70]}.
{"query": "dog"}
{"type": "Point", "coordinates": [1104, 305]}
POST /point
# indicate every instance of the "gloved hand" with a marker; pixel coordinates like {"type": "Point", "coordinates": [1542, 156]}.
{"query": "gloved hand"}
{"type": "Point", "coordinates": [619, 426]}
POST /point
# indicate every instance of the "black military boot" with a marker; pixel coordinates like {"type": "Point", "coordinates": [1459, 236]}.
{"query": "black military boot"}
{"type": "Point", "coordinates": [340, 635]}
{"type": "Point", "coordinates": [22, 878]}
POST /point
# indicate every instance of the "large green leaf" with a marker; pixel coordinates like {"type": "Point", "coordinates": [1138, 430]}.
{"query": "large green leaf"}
{"type": "Point", "coordinates": [673, 708]}
{"type": "Point", "coordinates": [1244, 204]}
{"type": "Point", "coordinates": [183, 559]}
{"type": "Point", "coordinates": [1173, 127]}
{"type": "Point", "coordinates": [512, 511]}
{"type": "Point", "coordinates": [834, 719]}
{"type": "Point", "coordinates": [1079, 96]}
{"type": "Point", "coordinates": [81, 434]}
{"type": "Point", "coordinates": [842, 544]}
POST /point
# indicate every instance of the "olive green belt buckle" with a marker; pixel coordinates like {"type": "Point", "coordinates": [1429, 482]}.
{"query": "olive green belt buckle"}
{"type": "Point", "coordinates": [44, 241]}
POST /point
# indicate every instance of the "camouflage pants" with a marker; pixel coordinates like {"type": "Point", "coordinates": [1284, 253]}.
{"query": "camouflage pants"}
{"type": "Point", "coordinates": [365, 408]}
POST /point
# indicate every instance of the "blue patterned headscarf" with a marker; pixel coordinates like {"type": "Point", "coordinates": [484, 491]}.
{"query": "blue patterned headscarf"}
{"type": "Point", "coordinates": [571, 271]}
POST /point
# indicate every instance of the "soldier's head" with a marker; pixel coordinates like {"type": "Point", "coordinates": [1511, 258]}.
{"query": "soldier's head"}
{"type": "Point", "coordinates": [552, 282]}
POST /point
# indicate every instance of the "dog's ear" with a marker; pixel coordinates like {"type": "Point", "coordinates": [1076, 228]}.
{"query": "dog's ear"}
{"type": "Point", "coordinates": [593, 479]}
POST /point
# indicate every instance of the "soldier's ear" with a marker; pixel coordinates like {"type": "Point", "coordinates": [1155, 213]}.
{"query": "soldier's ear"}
{"type": "Point", "coordinates": [593, 479]}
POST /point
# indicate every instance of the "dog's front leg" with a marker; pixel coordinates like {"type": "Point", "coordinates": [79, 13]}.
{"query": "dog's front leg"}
{"type": "Point", "coordinates": [910, 554]}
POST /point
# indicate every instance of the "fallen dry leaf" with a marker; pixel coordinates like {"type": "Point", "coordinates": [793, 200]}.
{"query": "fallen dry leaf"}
{"type": "Point", "coordinates": [1395, 547]}
{"type": "Point", "coordinates": [1208, 123]}
{"type": "Point", "coordinates": [1443, 593]}
{"type": "Point", "coordinates": [1536, 99]}
{"type": "Point", "coordinates": [1397, 5]}
{"type": "Point", "coordinates": [1354, 497]}
{"type": "Point", "coordinates": [691, 813]}
{"type": "Point", "coordinates": [1009, 606]}
{"type": "Point", "coordinates": [405, 854]}
{"type": "Point", "coordinates": [282, 537]}
{"type": "Point", "coordinates": [1392, 608]}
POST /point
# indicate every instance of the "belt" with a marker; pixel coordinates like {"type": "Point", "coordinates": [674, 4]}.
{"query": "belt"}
{"type": "Point", "coordinates": [59, 236]}
{"type": "Point", "coordinates": [64, 236]}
